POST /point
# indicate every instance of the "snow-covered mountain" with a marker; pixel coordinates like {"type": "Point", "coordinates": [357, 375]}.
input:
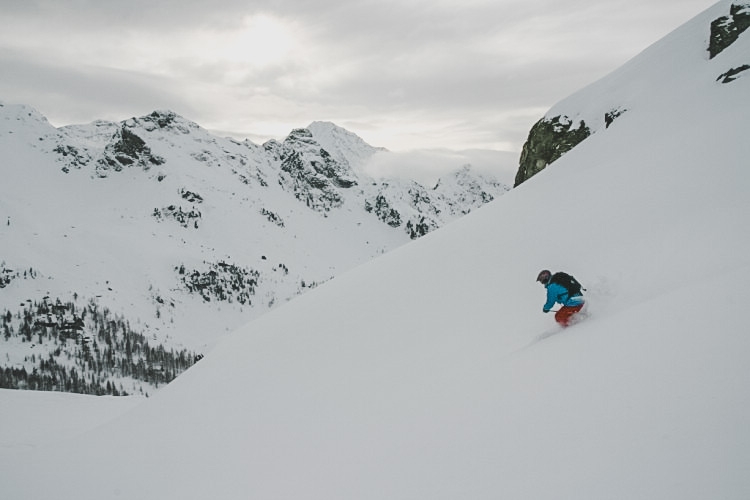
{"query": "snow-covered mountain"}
{"type": "Point", "coordinates": [431, 372]}
{"type": "Point", "coordinates": [176, 236]}
{"type": "Point", "coordinates": [344, 145]}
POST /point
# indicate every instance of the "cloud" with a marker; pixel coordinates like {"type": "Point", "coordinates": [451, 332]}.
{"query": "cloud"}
{"type": "Point", "coordinates": [428, 165]}
{"type": "Point", "coordinates": [414, 73]}
{"type": "Point", "coordinates": [73, 94]}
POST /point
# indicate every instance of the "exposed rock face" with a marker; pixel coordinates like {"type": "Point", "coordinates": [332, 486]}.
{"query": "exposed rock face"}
{"type": "Point", "coordinates": [548, 140]}
{"type": "Point", "coordinates": [409, 205]}
{"type": "Point", "coordinates": [726, 29]}
{"type": "Point", "coordinates": [313, 175]}
{"type": "Point", "coordinates": [733, 74]}
{"type": "Point", "coordinates": [74, 156]}
{"type": "Point", "coordinates": [612, 115]}
{"type": "Point", "coordinates": [384, 211]}
{"type": "Point", "coordinates": [126, 149]}
{"type": "Point", "coordinates": [164, 119]}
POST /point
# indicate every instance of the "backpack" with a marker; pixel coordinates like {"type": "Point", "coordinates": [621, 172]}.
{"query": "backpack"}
{"type": "Point", "coordinates": [568, 282]}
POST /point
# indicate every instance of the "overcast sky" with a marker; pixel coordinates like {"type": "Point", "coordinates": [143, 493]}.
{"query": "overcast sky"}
{"type": "Point", "coordinates": [402, 74]}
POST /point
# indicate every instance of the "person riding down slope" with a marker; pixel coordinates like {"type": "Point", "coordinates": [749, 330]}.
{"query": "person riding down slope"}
{"type": "Point", "coordinates": [565, 290]}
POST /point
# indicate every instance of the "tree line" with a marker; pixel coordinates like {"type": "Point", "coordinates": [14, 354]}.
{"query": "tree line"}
{"type": "Point", "coordinates": [85, 350]}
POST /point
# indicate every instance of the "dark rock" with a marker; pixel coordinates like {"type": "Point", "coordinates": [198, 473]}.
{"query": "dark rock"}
{"type": "Point", "coordinates": [726, 29]}
{"type": "Point", "coordinates": [611, 116]}
{"type": "Point", "coordinates": [126, 149]}
{"type": "Point", "coordinates": [732, 74]}
{"type": "Point", "coordinates": [548, 140]}
{"type": "Point", "coordinates": [384, 211]}
{"type": "Point", "coordinates": [418, 228]}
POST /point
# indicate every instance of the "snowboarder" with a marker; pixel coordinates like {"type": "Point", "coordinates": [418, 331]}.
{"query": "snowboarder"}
{"type": "Point", "coordinates": [563, 289]}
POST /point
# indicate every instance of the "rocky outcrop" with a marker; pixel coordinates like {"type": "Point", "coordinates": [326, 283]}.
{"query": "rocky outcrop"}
{"type": "Point", "coordinates": [726, 29]}
{"type": "Point", "coordinates": [164, 120]}
{"type": "Point", "coordinates": [418, 228]}
{"type": "Point", "coordinates": [126, 150]}
{"type": "Point", "coordinates": [310, 172]}
{"type": "Point", "coordinates": [184, 218]}
{"type": "Point", "coordinates": [383, 210]}
{"type": "Point", "coordinates": [733, 74]}
{"type": "Point", "coordinates": [548, 140]}
{"type": "Point", "coordinates": [222, 281]}
{"type": "Point", "coordinates": [612, 115]}
{"type": "Point", "coordinates": [72, 156]}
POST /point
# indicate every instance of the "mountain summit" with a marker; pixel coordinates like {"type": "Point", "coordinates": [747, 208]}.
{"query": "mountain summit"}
{"type": "Point", "coordinates": [346, 146]}
{"type": "Point", "coordinates": [180, 236]}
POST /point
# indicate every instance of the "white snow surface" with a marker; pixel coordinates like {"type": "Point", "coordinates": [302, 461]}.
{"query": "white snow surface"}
{"type": "Point", "coordinates": [32, 419]}
{"type": "Point", "coordinates": [431, 372]}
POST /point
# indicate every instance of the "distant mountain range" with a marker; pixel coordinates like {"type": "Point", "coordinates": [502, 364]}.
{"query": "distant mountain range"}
{"type": "Point", "coordinates": [153, 233]}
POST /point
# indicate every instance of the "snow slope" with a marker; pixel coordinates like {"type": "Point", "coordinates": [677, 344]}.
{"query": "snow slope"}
{"type": "Point", "coordinates": [32, 419]}
{"type": "Point", "coordinates": [432, 373]}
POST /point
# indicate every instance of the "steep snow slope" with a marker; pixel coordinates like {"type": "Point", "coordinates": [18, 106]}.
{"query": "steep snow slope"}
{"type": "Point", "coordinates": [431, 372]}
{"type": "Point", "coordinates": [640, 83]}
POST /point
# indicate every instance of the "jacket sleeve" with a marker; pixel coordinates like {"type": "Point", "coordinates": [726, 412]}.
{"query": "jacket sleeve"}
{"type": "Point", "coordinates": [550, 301]}
{"type": "Point", "coordinates": [554, 292]}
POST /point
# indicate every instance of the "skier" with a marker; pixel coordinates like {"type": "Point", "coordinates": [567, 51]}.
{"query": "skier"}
{"type": "Point", "coordinates": [563, 289]}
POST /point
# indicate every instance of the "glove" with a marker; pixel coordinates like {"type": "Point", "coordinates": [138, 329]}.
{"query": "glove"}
{"type": "Point", "coordinates": [545, 311]}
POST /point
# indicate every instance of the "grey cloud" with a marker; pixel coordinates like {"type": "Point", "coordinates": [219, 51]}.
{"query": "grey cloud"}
{"type": "Point", "coordinates": [486, 68]}
{"type": "Point", "coordinates": [81, 93]}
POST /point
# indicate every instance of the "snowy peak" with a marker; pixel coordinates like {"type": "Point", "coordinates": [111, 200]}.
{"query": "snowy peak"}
{"type": "Point", "coordinates": [126, 149]}
{"type": "Point", "coordinates": [95, 135]}
{"type": "Point", "coordinates": [112, 147]}
{"type": "Point", "coordinates": [170, 129]}
{"type": "Point", "coordinates": [18, 118]}
{"type": "Point", "coordinates": [21, 113]}
{"type": "Point", "coordinates": [303, 138]}
{"type": "Point", "coordinates": [342, 144]}
{"type": "Point", "coordinates": [311, 174]}
{"type": "Point", "coordinates": [167, 121]}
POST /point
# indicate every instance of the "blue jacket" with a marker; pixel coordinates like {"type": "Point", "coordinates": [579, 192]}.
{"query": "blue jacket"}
{"type": "Point", "coordinates": [559, 294]}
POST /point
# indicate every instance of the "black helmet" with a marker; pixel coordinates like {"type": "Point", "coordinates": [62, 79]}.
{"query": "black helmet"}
{"type": "Point", "coordinates": [544, 276]}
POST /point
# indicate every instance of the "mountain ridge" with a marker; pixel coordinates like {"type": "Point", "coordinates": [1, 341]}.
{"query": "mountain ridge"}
{"type": "Point", "coordinates": [219, 224]}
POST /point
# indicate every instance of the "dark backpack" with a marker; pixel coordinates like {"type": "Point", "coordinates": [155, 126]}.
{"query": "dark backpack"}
{"type": "Point", "coordinates": [568, 282]}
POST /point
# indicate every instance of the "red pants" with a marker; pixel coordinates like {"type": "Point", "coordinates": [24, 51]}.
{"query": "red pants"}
{"type": "Point", "coordinates": [566, 313]}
